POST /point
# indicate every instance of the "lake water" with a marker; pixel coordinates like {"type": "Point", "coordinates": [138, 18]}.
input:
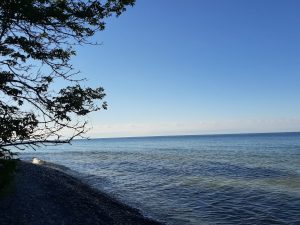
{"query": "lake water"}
{"type": "Point", "coordinates": [213, 179]}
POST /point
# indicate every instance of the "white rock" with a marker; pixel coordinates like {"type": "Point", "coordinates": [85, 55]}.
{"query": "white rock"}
{"type": "Point", "coordinates": [37, 161]}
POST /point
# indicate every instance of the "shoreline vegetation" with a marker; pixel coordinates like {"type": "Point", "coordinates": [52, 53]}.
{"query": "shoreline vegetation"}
{"type": "Point", "coordinates": [41, 194]}
{"type": "Point", "coordinates": [7, 170]}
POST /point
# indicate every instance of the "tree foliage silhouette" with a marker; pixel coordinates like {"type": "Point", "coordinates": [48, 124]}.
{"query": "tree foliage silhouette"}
{"type": "Point", "coordinates": [37, 39]}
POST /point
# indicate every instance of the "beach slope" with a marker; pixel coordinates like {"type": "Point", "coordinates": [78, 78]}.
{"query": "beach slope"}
{"type": "Point", "coordinates": [42, 195]}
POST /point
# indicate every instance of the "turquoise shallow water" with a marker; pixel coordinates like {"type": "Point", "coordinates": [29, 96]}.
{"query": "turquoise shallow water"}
{"type": "Point", "coordinates": [214, 179]}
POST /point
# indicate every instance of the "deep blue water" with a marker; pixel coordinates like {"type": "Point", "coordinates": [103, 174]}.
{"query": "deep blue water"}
{"type": "Point", "coordinates": [214, 179]}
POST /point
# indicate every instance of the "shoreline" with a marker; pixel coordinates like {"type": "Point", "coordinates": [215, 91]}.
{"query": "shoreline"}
{"type": "Point", "coordinates": [41, 194]}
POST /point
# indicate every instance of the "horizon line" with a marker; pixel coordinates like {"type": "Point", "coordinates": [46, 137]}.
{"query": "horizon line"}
{"type": "Point", "coordinates": [180, 135]}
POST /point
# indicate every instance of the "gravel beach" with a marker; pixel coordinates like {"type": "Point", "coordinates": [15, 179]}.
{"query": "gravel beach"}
{"type": "Point", "coordinates": [43, 195]}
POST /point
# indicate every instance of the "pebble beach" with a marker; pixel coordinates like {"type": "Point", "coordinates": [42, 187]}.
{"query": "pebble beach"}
{"type": "Point", "coordinates": [43, 195]}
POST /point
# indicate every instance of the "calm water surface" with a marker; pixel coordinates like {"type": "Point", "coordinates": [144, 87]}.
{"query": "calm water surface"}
{"type": "Point", "coordinates": [216, 179]}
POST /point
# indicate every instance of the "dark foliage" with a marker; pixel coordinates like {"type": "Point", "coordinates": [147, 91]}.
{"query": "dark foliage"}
{"type": "Point", "coordinates": [37, 39]}
{"type": "Point", "coordinates": [7, 169]}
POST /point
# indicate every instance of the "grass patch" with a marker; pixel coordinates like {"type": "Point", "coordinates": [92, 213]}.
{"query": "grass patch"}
{"type": "Point", "coordinates": [7, 169]}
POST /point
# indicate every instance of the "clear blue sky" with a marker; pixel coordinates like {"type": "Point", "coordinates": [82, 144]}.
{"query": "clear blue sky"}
{"type": "Point", "coordinates": [194, 67]}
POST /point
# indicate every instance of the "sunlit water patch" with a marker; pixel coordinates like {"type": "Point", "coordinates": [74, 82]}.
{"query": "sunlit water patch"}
{"type": "Point", "coordinates": [221, 179]}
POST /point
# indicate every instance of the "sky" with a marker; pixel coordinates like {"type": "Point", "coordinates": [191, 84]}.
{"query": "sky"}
{"type": "Point", "coordinates": [197, 67]}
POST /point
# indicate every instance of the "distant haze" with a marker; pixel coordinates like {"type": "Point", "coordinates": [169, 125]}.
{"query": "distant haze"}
{"type": "Point", "coordinates": [208, 127]}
